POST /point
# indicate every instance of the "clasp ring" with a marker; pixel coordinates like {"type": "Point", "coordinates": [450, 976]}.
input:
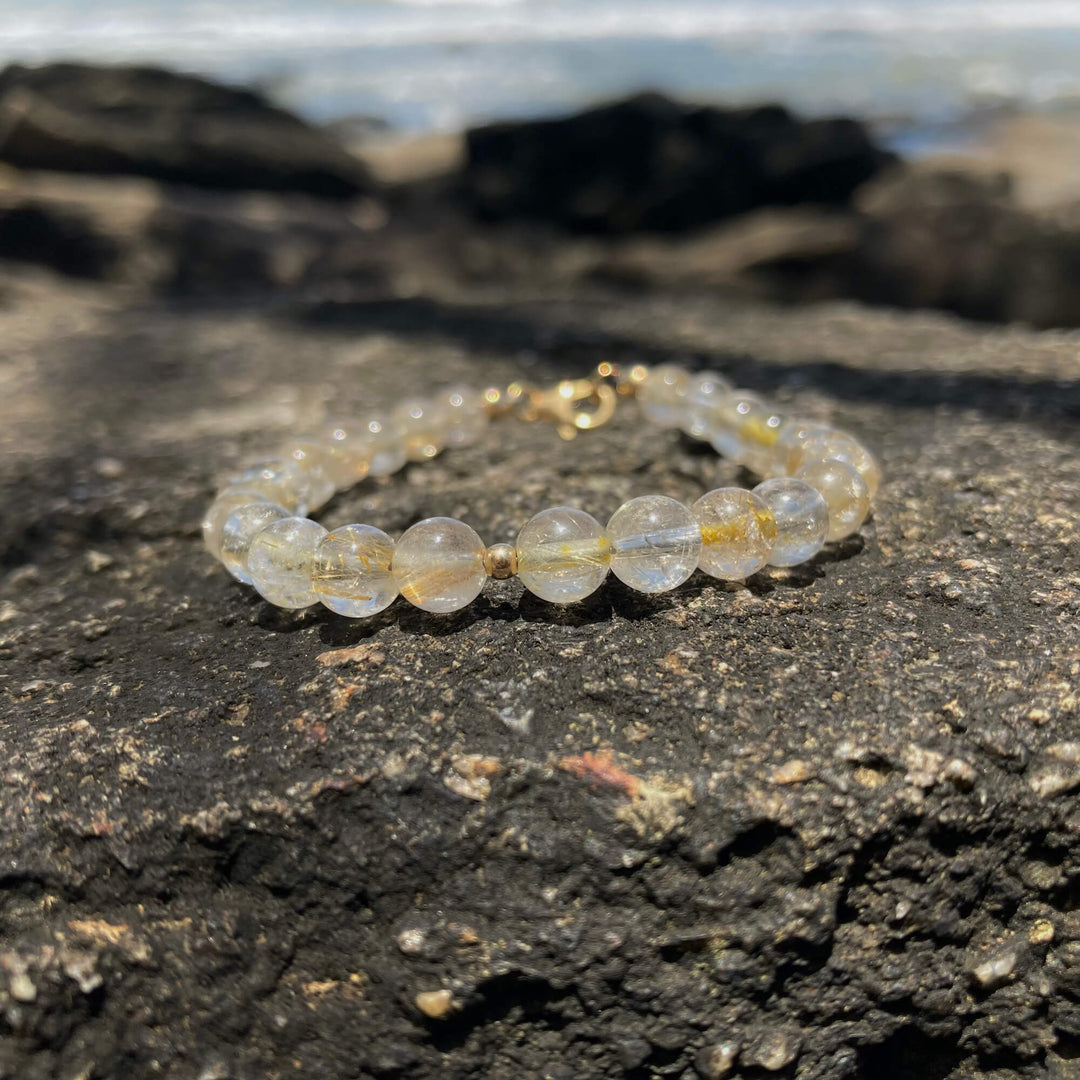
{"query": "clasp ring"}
{"type": "Point", "coordinates": [572, 405]}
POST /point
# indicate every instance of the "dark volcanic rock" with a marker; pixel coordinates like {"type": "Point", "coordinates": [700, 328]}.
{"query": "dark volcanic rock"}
{"type": "Point", "coordinates": [177, 128]}
{"type": "Point", "coordinates": [652, 164]}
{"type": "Point", "coordinates": [916, 238]}
{"type": "Point", "coordinates": [186, 240]}
{"type": "Point", "coordinates": [958, 241]}
{"type": "Point", "coordinates": [837, 835]}
{"type": "Point", "coordinates": [58, 237]}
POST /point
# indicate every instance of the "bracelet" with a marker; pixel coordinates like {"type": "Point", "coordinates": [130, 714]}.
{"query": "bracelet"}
{"type": "Point", "coordinates": [820, 482]}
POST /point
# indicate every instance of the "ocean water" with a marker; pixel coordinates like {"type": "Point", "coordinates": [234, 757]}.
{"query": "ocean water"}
{"type": "Point", "coordinates": [920, 67]}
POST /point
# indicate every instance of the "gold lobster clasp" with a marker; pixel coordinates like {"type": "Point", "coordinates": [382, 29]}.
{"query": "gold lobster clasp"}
{"type": "Point", "coordinates": [572, 405]}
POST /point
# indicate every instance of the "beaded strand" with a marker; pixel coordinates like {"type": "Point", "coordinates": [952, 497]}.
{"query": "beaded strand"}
{"type": "Point", "coordinates": [817, 488]}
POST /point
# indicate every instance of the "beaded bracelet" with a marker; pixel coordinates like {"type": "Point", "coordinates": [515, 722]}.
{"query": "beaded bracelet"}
{"type": "Point", "coordinates": [820, 483]}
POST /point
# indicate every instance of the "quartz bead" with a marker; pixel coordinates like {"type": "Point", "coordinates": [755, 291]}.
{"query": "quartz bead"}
{"type": "Point", "coordinates": [219, 511]}
{"type": "Point", "coordinates": [377, 441]}
{"type": "Point", "coordinates": [655, 543]}
{"type": "Point", "coordinates": [385, 444]}
{"type": "Point", "coordinates": [563, 554]}
{"type": "Point", "coordinates": [844, 491]}
{"type": "Point", "coordinates": [242, 526]}
{"type": "Point", "coordinates": [737, 533]}
{"type": "Point", "coordinates": [758, 432]}
{"type": "Point", "coordinates": [317, 463]}
{"type": "Point", "coordinates": [276, 480]}
{"type": "Point", "coordinates": [281, 560]}
{"type": "Point", "coordinates": [802, 519]}
{"type": "Point", "coordinates": [438, 564]}
{"type": "Point", "coordinates": [663, 394]}
{"type": "Point", "coordinates": [350, 453]}
{"type": "Point", "coordinates": [706, 390]}
{"type": "Point", "coordinates": [790, 436]}
{"type": "Point", "coordinates": [743, 427]}
{"type": "Point", "coordinates": [826, 444]}
{"type": "Point", "coordinates": [465, 415]}
{"type": "Point", "coordinates": [352, 573]}
{"type": "Point", "coordinates": [423, 428]}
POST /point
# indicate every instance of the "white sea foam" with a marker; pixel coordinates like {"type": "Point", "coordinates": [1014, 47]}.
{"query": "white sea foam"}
{"type": "Point", "coordinates": [427, 63]}
{"type": "Point", "coordinates": [249, 26]}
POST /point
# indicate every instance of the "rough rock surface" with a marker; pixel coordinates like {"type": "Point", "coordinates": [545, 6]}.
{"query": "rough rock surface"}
{"type": "Point", "coordinates": [171, 127]}
{"type": "Point", "coordinates": [822, 825]}
{"type": "Point", "coordinates": [652, 164]}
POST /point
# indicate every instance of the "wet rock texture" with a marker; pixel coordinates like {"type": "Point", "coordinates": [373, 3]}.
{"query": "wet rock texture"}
{"type": "Point", "coordinates": [823, 825]}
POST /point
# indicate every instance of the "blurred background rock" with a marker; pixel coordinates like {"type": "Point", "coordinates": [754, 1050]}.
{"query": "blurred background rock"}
{"type": "Point", "coordinates": [932, 158]}
{"type": "Point", "coordinates": [242, 844]}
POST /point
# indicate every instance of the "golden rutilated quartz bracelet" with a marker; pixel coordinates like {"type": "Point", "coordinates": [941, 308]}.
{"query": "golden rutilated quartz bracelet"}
{"type": "Point", "coordinates": [818, 486]}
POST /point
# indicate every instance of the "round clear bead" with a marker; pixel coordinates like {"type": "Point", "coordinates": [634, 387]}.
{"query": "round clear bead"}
{"type": "Point", "coordinates": [281, 560]}
{"type": "Point", "coordinates": [662, 395]}
{"type": "Point", "coordinates": [790, 436]}
{"type": "Point", "coordinates": [352, 574]}
{"type": "Point", "coordinates": [376, 444]}
{"type": "Point", "coordinates": [465, 415]}
{"type": "Point", "coordinates": [276, 480]}
{"type": "Point", "coordinates": [319, 467]}
{"type": "Point", "coordinates": [350, 451]}
{"type": "Point", "coordinates": [802, 519]}
{"type": "Point", "coordinates": [438, 564]}
{"type": "Point", "coordinates": [827, 444]}
{"type": "Point", "coordinates": [563, 554]}
{"type": "Point", "coordinates": [705, 391]}
{"type": "Point", "coordinates": [241, 527]}
{"type": "Point", "coordinates": [758, 433]}
{"type": "Point", "coordinates": [655, 543]}
{"type": "Point", "coordinates": [744, 428]}
{"type": "Point", "coordinates": [845, 494]}
{"type": "Point", "coordinates": [423, 426]}
{"type": "Point", "coordinates": [737, 533]}
{"type": "Point", "coordinates": [384, 442]}
{"type": "Point", "coordinates": [219, 511]}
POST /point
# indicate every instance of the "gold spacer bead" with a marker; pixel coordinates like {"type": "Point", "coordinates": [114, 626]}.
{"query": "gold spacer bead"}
{"type": "Point", "coordinates": [500, 561]}
{"type": "Point", "coordinates": [498, 402]}
{"type": "Point", "coordinates": [629, 381]}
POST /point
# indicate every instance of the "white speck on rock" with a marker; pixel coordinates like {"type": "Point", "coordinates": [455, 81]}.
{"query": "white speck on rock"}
{"type": "Point", "coordinates": [22, 987]}
{"type": "Point", "coordinates": [923, 766]}
{"type": "Point", "coordinates": [411, 941]}
{"type": "Point", "coordinates": [717, 1061]}
{"type": "Point", "coordinates": [1064, 751]}
{"type": "Point", "coordinates": [96, 561]}
{"type": "Point", "coordinates": [960, 773]}
{"type": "Point", "coordinates": [435, 1003]}
{"type": "Point", "coordinates": [518, 721]}
{"type": "Point", "coordinates": [1058, 772]}
{"type": "Point", "coordinates": [82, 968]}
{"type": "Point", "coordinates": [774, 1051]}
{"type": "Point", "coordinates": [470, 775]}
{"type": "Point", "coordinates": [108, 467]}
{"type": "Point", "coordinates": [998, 968]}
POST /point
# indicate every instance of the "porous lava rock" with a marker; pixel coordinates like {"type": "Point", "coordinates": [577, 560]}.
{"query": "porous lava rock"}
{"type": "Point", "coordinates": [823, 824]}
